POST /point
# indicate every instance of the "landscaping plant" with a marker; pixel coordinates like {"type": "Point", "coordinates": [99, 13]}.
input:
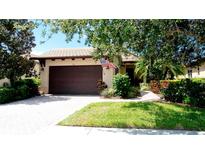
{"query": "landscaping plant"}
{"type": "Point", "coordinates": [101, 85]}
{"type": "Point", "coordinates": [121, 85]}
{"type": "Point", "coordinates": [20, 90]}
{"type": "Point", "coordinates": [108, 93]}
{"type": "Point", "coordinates": [189, 91]}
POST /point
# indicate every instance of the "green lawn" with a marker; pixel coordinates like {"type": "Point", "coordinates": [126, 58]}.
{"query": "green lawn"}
{"type": "Point", "coordinates": [138, 115]}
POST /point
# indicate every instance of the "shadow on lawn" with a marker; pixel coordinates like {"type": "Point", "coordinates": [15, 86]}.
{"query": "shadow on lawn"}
{"type": "Point", "coordinates": [172, 118]}
{"type": "Point", "coordinates": [39, 100]}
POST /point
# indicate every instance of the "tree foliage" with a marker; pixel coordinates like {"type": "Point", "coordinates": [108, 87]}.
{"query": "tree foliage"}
{"type": "Point", "coordinates": [180, 42]}
{"type": "Point", "coordinates": [109, 37]}
{"type": "Point", "coordinates": [16, 41]}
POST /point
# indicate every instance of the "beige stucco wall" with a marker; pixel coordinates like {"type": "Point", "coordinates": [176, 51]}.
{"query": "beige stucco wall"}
{"type": "Point", "coordinates": [195, 73]}
{"type": "Point", "coordinates": [107, 74]}
{"type": "Point", "coordinates": [3, 81]}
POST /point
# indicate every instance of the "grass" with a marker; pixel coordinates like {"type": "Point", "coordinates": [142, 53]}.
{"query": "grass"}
{"type": "Point", "coordinates": [138, 115]}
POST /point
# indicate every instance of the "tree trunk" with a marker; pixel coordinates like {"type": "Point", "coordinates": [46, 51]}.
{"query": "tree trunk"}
{"type": "Point", "coordinates": [145, 79]}
{"type": "Point", "coordinates": [12, 79]}
{"type": "Point", "coordinates": [165, 74]}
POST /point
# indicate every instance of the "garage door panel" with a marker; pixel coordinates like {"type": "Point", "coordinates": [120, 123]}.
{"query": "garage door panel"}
{"type": "Point", "coordinates": [74, 79]}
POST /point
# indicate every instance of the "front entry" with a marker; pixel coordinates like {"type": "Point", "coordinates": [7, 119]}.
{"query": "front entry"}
{"type": "Point", "coordinates": [130, 73]}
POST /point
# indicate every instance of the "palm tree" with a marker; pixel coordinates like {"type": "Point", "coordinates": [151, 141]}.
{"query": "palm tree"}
{"type": "Point", "coordinates": [141, 69]}
{"type": "Point", "coordinates": [169, 67]}
{"type": "Point", "coordinates": [160, 69]}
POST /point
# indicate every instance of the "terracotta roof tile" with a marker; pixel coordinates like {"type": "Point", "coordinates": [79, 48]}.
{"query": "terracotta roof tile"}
{"type": "Point", "coordinates": [77, 52]}
{"type": "Point", "coordinates": [68, 52]}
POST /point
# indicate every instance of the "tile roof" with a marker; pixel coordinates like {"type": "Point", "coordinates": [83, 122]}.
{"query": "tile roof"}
{"type": "Point", "coordinates": [76, 52]}
{"type": "Point", "coordinates": [67, 52]}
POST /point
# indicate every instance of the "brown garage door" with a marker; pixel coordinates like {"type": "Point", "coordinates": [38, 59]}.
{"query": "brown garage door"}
{"type": "Point", "coordinates": [74, 79]}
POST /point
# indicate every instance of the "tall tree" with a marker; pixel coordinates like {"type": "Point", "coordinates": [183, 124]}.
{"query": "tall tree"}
{"type": "Point", "coordinates": [109, 37]}
{"type": "Point", "coordinates": [16, 41]}
{"type": "Point", "coordinates": [180, 41]}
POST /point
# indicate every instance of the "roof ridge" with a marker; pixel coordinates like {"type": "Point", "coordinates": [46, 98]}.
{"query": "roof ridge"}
{"type": "Point", "coordinates": [77, 48]}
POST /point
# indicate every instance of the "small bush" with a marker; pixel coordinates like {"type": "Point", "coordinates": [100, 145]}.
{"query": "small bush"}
{"type": "Point", "coordinates": [133, 92]}
{"type": "Point", "coordinates": [108, 93]}
{"type": "Point", "coordinates": [22, 92]}
{"type": "Point", "coordinates": [144, 86]}
{"type": "Point", "coordinates": [101, 85]}
{"type": "Point", "coordinates": [7, 95]}
{"type": "Point", "coordinates": [31, 83]}
{"type": "Point", "coordinates": [22, 89]}
{"type": "Point", "coordinates": [164, 84]}
{"type": "Point", "coordinates": [186, 91]}
{"type": "Point", "coordinates": [155, 86]}
{"type": "Point", "coordinates": [121, 85]}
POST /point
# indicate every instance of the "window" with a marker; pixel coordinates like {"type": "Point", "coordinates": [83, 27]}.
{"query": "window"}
{"type": "Point", "coordinates": [190, 73]}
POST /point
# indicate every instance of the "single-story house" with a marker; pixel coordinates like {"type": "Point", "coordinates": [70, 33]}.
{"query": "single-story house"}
{"type": "Point", "coordinates": [74, 71]}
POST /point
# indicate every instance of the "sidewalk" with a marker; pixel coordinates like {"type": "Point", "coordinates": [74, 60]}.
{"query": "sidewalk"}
{"type": "Point", "coordinates": [98, 131]}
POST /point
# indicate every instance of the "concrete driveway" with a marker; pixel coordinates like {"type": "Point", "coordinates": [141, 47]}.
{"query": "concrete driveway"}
{"type": "Point", "coordinates": [38, 113]}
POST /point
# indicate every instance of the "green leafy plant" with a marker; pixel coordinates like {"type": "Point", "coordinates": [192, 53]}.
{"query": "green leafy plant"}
{"type": "Point", "coordinates": [108, 92]}
{"type": "Point", "coordinates": [101, 85]}
{"type": "Point", "coordinates": [21, 89]}
{"type": "Point", "coordinates": [16, 42]}
{"type": "Point", "coordinates": [133, 92]}
{"type": "Point", "coordinates": [7, 95]}
{"type": "Point", "coordinates": [22, 92]}
{"type": "Point", "coordinates": [186, 91]}
{"type": "Point", "coordinates": [31, 83]}
{"type": "Point", "coordinates": [155, 86]}
{"type": "Point", "coordinates": [144, 86]}
{"type": "Point", "coordinates": [121, 85]}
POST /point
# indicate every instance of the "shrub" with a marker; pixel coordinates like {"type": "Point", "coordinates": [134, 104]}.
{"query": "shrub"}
{"type": "Point", "coordinates": [31, 83]}
{"type": "Point", "coordinates": [101, 85]}
{"type": "Point", "coordinates": [164, 84]}
{"type": "Point", "coordinates": [144, 86]}
{"type": "Point", "coordinates": [108, 93]}
{"type": "Point", "coordinates": [133, 92]}
{"type": "Point", "coordinates": [22, 89]}
{"type": "Point", "coordinates": [7, 95]}
{"type": "Point", "coordinates": [198, 80]}
{"type": "Point", "coordinates": [121, 85]}
{"type": "Point", "coordinates": [186, 91]}
{"type": "Point", "coordinates": [22, 92]}
{"type": "Point", "coordinates": [155, 86]}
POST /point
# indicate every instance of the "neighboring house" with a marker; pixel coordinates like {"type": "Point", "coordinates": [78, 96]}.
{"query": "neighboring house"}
{"type": "Point", "coordinates": [4, 81]}
{"type": "Point", "coordinates": [196, 72]}
{"type": "Point", "coordinates": [74, 71]}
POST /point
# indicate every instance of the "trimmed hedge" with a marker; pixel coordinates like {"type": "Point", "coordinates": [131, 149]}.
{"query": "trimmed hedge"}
{"type": "Point", "coordinates": [22, 89]}
{"type": "Point", "coordinates": [189, 91]}
{"type": "Point", "coordinates": [31, 83]}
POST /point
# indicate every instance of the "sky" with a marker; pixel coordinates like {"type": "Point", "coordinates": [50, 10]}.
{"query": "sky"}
{"type": "Point", "coordinates": [57, 41]}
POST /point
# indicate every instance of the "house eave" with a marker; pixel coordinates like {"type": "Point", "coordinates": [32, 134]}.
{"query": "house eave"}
{"type": "Point", "coordinates": [58, 57]}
